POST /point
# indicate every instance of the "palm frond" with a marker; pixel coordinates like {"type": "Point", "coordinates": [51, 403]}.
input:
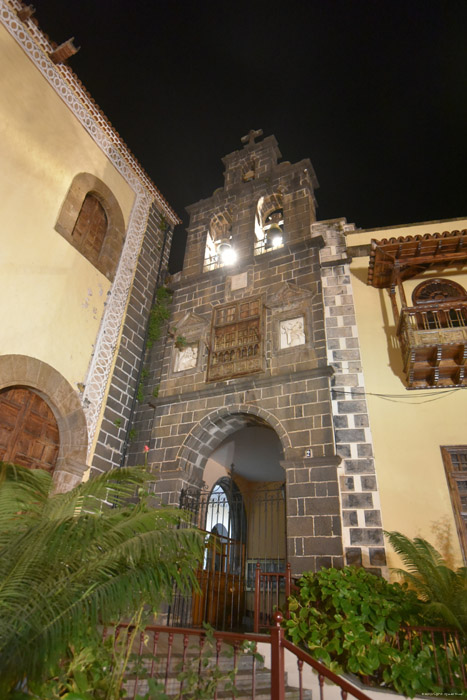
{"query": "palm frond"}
{"type": "Point", "coordinates": [71, 561]}
{"type": "Point", "coordinates": [443, 589]}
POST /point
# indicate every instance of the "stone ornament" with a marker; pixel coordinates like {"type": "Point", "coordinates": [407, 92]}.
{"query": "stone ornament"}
{"type": "Point", "coordinates": [292, 332]}
{"type": "Point", "coordinates": [186, 358]}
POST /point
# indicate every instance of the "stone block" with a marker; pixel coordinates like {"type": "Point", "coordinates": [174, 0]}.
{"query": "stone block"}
{"type": "Point", "coordinates": [350, 435]}
{"type": "Point", "coordinates": [353, 556]}
{"type": "Point", "coordinates": [373, 518]}
{"type": "Point", "coordinates": [366, 536]}
{"type": "Point", "coordinates": [359, 466]}
{"type": "Point", "coordinates": [328, 505]}
{"type": "Point", "coordinates": [377, 556]}
{"type": "Point", "coordinates": [368, 483]}
{"type": "Point", "coordinates": [351, 406]}
{"type": "Point", "coordinates": [323, 546]}
{"type": "Point", "coordinates": [357, 500]}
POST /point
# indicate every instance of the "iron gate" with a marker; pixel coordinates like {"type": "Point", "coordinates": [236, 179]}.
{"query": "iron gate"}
{"type": "Point", "coordinates": [242, 528]}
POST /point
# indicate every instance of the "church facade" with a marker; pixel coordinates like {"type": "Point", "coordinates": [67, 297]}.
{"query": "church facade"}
{"type": "Point", "coordinates": [265, 310]}
{"type": "Point", "coordinates": [84, 235]}
{"type": "Point", "coordinates": [304, 392]}
{"type": "Point", "coordinates": [294, 359]}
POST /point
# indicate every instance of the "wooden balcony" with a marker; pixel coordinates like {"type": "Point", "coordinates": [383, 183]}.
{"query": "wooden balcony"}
{"type": "Point", "coordinates": [433, 338]}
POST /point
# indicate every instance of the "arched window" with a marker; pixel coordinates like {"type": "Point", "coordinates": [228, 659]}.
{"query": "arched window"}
{"type": "Point", "coordinates": [219, 250]}
{"type": "Point", "coordinates": [269, 224]}
{"type": "Point", "coordinates": [92, 221]}
{"type": "Point", "coordinates": [90, 228]}
{"type": "Point", "coordinates": [226, 523]}
{"type": "Point", "coordinates": [442, 304]}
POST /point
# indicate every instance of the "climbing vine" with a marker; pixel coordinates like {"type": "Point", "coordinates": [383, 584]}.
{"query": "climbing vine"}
{"type": "Point", "coordinates": [159, 314]}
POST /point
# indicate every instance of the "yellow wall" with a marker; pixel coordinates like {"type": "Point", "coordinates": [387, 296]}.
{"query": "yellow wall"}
{"type": "Point", "coordinates": [53, 298]}
{"type": "Point", "coordinates": [408, 427]}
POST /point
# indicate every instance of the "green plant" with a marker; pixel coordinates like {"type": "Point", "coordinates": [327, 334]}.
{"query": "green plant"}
{"type": "Point", "coordinates": [180, 342]}
{"type": "Point", "coordinates": [155, 391]}
{"type": "Point", "coordinates": [443, 589]}
{"type": "Point", "coordinates": [162, 223]}
{"type": "Point", "coordinates": [140, 392]}
{"type": "Point", "coordinates": [118, 422]}
{"type": "Point", "coordinates": [132, 434]}
{"type": "Point", "coordinates": [70, 562]}
{"type": "Point", "coordinates": [350, 620]}
{"type": "Point", "coordinates": [159, 314]}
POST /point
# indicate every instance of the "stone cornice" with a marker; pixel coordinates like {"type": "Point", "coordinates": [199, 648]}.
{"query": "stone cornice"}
{"type": "Point", "coordinates": [243, 384]}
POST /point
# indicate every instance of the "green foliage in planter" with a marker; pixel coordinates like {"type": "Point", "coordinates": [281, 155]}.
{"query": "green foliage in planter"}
{"type": "Point", "coordinates": [160, 313]}
{"type": "Point", "coordinates": [348, 619]}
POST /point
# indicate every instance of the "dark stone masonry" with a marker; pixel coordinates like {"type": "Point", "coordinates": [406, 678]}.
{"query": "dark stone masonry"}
{"type": "Point", "coordinates": [295, 366]}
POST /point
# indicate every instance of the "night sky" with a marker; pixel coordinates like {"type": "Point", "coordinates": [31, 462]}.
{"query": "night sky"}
{"type": "Point", "coordinates": [374, 92]}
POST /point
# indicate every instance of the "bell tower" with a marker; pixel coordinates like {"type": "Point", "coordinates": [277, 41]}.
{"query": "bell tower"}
{"type": "Point", "coordinates": [253, 342]}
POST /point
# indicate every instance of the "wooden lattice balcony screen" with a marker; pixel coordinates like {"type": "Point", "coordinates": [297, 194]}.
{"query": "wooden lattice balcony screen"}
{"type": "Point", "coordinates": [433, 339]}
{"type": "Point", "coordinates": [236, 340]}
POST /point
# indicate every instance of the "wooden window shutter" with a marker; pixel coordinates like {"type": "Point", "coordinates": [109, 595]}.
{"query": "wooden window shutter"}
{"type": "Point", "coordinates": [455, 463]}
{"type": "Point", "coordinates": [90, 228]}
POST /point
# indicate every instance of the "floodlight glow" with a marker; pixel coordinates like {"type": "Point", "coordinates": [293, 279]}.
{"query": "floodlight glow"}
{"type": "Point", "coordinates": [228, 255]}
{"type": "Point", "coordinates": [277, 241]}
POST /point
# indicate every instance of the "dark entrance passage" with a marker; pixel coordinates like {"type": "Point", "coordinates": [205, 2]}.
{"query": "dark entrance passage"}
{"type": "Point", "coordinates": [243, 525]}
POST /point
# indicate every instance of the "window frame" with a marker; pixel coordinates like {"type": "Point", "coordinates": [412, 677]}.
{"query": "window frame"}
{"type": "Point", "coordinates": [453, 476]}
{"type": "Point", "coordinates": [82, 185]}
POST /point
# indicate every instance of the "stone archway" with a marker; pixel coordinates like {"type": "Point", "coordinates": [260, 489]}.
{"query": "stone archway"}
{"type": "Point", "coordinates": [244, 517]}
{"type": "Point", "coordinates": [215, 427]}
{"type": "Point", "coordinates": [40, 378]}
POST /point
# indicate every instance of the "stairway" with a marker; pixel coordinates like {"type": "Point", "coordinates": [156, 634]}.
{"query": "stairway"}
{"type": "Point", "coordinates": [210, 670]}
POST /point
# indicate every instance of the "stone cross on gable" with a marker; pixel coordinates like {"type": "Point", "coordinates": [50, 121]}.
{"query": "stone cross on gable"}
{"type": "Point", "coordinates": [251, 136]}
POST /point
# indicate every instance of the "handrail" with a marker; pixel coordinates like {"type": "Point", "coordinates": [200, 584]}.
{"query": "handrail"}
{"type": "Point", "coordinates": [323, 671]}
{"type": "Point", "coordinates": [275, 639]}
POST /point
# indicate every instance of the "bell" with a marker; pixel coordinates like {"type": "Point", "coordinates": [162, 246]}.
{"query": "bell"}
{"type": "Point", "coordinates": [274, 236]}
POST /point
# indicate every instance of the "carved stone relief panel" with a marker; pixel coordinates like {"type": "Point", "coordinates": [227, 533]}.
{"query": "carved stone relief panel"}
{"type": "Point", "coordinates": [292, 332]}
{"type": "Point", "coordinates": [186, 358]}
{"type": "Point", "coordinates": [193, 329]}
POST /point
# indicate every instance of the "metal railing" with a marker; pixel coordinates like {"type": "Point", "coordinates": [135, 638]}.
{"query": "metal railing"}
{"type": "Point", "coordinates": [443, 644]}
{"type": "Point", "coordinates": [444, 317]}
{"type": "Point", "coordinates": [171, 655]}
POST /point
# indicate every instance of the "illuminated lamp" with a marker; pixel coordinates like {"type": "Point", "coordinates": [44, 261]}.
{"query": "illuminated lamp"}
{"type": "Point", "coordinates": [274, 237]}
{"type": "Point", "coordinates": [225, 252]}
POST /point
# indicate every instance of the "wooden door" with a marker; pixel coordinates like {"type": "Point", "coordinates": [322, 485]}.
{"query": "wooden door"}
{"type": "Point", "coordinates": [28, 430]}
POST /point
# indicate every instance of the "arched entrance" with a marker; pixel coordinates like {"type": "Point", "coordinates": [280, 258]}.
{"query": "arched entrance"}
{"type": "Point", "coordinates": [241, 507]}
{"type": "Point", "coordinates": [28, 430]}
{"type": "Point", "coordinates": [54, 419]}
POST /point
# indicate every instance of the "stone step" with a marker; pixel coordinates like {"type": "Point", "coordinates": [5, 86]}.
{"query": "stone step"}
{"type": "Point", "coordinates": [243, 683]}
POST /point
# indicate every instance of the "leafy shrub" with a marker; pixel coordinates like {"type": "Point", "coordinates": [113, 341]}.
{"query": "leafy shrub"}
{"type": "Point", "coordinates": [350, 620]}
